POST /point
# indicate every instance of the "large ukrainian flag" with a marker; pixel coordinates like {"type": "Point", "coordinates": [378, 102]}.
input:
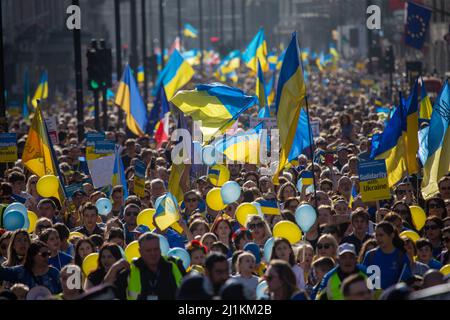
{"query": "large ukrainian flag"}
{"type": "Point", "coordinates": [290, 100]}
{"type": "Point", "coordinates": [257, 49]}
{"type": "Point", "coordinates": [437, 155]}
{"type": "Point", "coordinates": [216, 105]}
{"type": "Point", "coordinates": [130, 100]}
{"type": "Point", "coordinates": [41, 92]}
{"type": "Point", "coordinates": [412, 130]}
{"type": "Point", "coordinates": [390, 146]}
{"type": "Point", "coordinates": [176, 74]}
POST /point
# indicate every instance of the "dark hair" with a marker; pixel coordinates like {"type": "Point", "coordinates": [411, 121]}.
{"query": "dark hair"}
{"type": "Point", "coordinates": [213, 258]}
{"type": "Point", "coordinates": [286, 275]}
{"type": "Point", "coordinates": [88, 206]}
{"type": "Point", "coordinates": [234, 259]}
{"type": "Point", "coordinates": [46, 234]}
{"type": "Point", "coordinates": [409, 219]}
{"type": "Point", "coordinates": [96, 239]}
{"type": "Point", "coordinates": [13, 258]}
{"type": "Point", "coordinates": [364, 248]}
{"type": "Point", "coordinates": [216, 225]}
{"type": "Point", "coordinates": [195, 245]}
{"type": "Point", "coordinates": [325, 264]}
{"type": "Point", "coordinates": [78, 260]}
{"type": "Point", "coordinates": [436, 220]}
{"type": "Point", "coordinates": [221, 246]}
{"type": "Point", "coordinates": [423, 242]}
{"type": "Point", "coordinates": [115, 233]}
{"type": "Point", "coordinates": [47, 201]}
{"type": "Point", "coordinates": [349, 281]}
{"type": "Point", "coordinates": [440, 202]}
{"type": "Point", "coordinates": [63, 231]}
{"type": "Point", "coordinates": [113, 248]}
{"type": "Point", "coordinates": [16, 176]}
{"type": "Point", "coordinates": [239, 235]}
{"type": "Point", "coordinates": [360, 213]}
{"type": "Point", "coordinates": [273, 255]}
{"type": "Point", "coordinates": [33, 250]}
{"type": "Point", "coordinates": [389, 229]}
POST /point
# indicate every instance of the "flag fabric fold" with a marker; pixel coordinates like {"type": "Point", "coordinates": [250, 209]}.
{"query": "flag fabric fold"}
{"type": "Point", "coordinates": [41, 92]}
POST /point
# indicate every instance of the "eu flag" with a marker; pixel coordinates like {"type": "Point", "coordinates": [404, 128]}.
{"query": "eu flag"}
{"type": "Point", "coordinates": [416, 27]}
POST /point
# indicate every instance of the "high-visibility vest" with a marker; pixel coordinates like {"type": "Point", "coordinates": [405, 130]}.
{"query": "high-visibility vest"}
{"type": "Point", "coordinates": [134, 279]}
{"type": "Point", "coordinates": [333, 289]}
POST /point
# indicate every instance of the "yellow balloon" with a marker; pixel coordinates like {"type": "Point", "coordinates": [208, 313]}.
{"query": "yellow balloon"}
{"type": "Point", "coordinates": [243, 211]}
{"type": "Point", "coordinates": [410, 234]}
{"type": "Point", "coordinates": [32, 217]}
{"type": "Point", "coordinates": [47, 186]}
{"type": "Point", "coordinates": [145, 217]}
{"type": "Point", "coordinates": [132, 251]}
{"type": "Point", "coordinates": [287, 230]}
{"type": "Point", "coordinates": [445, 270]}
{"type": "Point", "coordinates": [214, 200]}
{"type": "Point", "coordinates": [218, 174]}
{"type": "Point", "coordinates": [90, 263]}
{"type": "Point", "coordinates": [418, 217]}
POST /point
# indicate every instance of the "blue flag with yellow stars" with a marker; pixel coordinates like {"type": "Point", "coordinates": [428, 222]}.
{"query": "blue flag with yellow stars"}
{"type": "Point", "coordinates": [416, 27]}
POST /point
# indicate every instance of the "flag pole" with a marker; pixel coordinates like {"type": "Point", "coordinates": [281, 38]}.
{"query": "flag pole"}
{"type": "Point", "coordinates": [311, 140]}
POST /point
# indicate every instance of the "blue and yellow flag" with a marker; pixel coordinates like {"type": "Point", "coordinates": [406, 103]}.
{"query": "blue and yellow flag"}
{"type": "Point", "coordinates": [272, 59]}
{"type": "Point", "coordinates": [176, 74]}
{"type": "Point", "coordinates": [166, 211]}
{"type": "Point", "coordinates": [192, 57]}
{"type": "Point", "coordinates": [140, 74]}
{"type": "Point", "coordinates": [216, 105]}
{"type": "Point", "coordinates": [437, 157]}
{"type": "Point", "coordinates": [118, 177]}
{"type": "Point", "coordinates": [129, 99]}
{"type": "Point", "coordinates": [412, 130]}
{"type": "Point", "coordinates": [257, 49]}
{"type": "Point", "coordinates": [303, 137]}
{"type": "Point", "coordinates": [41, 92]}
{"type": "Point", "coordinates": [280, 60]}
{"type": "Point", "coordinates": [190, 31]}
{"type": "Point", "coordinates": [269, 207]}
{"type": "Point", "coordinates": [26, 96]}
{"type": "Point", "coordinates": [228, 64]}
{"type": "Point", "coordinates": [353, 196]}
{"type": "Point", "coordinates": [290, 100]}
{"type": "Point", "coordinates": [425, 106]}
{"type": "Point", "coordinates": [264, 111]}
{"type": "Point", "coordinates": [390, 146]}
{"type": "Point", "coordinates": [270, 90]}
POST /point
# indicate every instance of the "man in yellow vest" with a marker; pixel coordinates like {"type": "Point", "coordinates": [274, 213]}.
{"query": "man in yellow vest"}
{"type": "Point", "coordinates": [152, 276]}
{"type": "Point", "coordinates": [330, 287]}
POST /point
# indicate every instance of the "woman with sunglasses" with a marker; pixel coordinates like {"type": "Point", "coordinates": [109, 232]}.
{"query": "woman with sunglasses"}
{"type": "Point", "coordinates": [191, 202]}
{"type": "Point", "coordinates": [58, 259]}
{"type": "Point", "coordinates": [435, 207]}
{"type": "Point", "coordinates": [390, 256]}
{"type": "Point", "coordinates": [402, 209]}
{"type": "Point", "coordinates": [259, 229]}
{"type": "Point", "coordinates": [432, 231]}
{"type": "Point", "coordinates": [326, 247]}
{"type": "Point", "coordinates": [36, 270]}
{"type": "Point", "coordinates": [281, 282]}
{"type": "Point", "coordinates": [282, 250]}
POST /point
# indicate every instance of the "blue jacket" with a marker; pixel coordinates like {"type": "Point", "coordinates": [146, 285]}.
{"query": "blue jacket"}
{"type": "Point", "coordinates": [19, 274]}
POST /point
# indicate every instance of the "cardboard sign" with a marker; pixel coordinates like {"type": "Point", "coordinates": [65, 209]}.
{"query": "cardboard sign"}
{"type": "Point", "coordinates": [315, 128]}
{"type": "Point", "coordinates": [8, 147]}
{"type": "Point", "coordinates": [139, 178]}
{"type": "Point", "coordinates": [373, 182]}
{"type": "Point", "coordinates": [52, 128]}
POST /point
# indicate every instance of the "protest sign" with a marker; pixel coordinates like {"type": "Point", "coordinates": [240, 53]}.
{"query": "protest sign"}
{"type": "Point", "coordinates": [8, 147]}
{"type": "Point", "coordinates": [52, 129]}
{"type": "Point", "coordinates": [91, 139]}
{"type": "Point", "coordinates": [315, 128]}
{"type": "Point", "coordinates": [373, 181]}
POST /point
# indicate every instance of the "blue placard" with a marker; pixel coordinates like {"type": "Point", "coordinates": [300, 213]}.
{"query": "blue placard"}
{"type": "Point", "coordinates": [139, 169]}
{"type": "Point", "coordinates": [372, 170]}
{"type": "Point", "coordinates": [92, 137]}
{"type": "Point", "coordinates": [104, 147]}
{"type": "Point", "coordinates": [72, 188]}
{"type": "Point", "coordinates": [8, 139]}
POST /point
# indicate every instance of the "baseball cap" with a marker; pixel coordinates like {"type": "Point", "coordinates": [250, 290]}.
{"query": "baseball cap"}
{"type": "Point", "coordinates": [346, 247]}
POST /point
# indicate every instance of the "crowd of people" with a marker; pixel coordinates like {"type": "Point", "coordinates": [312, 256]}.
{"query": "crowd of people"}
{"type": "Point", "coordinates": [227, 259]}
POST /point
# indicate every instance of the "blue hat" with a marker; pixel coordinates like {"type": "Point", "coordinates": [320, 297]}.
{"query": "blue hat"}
{"type": "Point", "coordinates": [253, 248]}
{"type": "Point", "coordinates": [141, 229]}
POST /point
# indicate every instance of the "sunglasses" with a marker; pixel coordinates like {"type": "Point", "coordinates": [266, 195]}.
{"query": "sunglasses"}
{"type": "Point", "coordinates": [431, 227]}
{"type": "Point", "coordinates": [45, 254]}
{"type": "Point", "coordinates": [129, 214]}
{"type": "Point", "coordinates": [191, 200]}
{"type": "Point", "coordinates": [256, 225]}
{"type": "Point", "coordinates": [434, 206]}
{"type": "Point", "coordinates": [324, 246]}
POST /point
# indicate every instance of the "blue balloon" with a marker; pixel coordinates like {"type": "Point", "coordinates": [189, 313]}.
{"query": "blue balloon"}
{"type": "Point", "coordinates": [230, 192]}
{"type": "Point", "coordinates": [253, 248]}
{"type": "Point", "coordinates": [209, 155]}
{"type": "Point", "coordinates": [16, 206]}
{"type": "Point", "coordinates": [104, 206]}
{"type": "Point", "coordinates": [261, 290]}
{"type": "Point", "coordinates": [305, 216]}
{"type": "Point", "coordinates": [182, 254]}
{"type": "Point", "coordinates": [163, 244]}
{"type": "Point", "coordinates": [268, 246]}
{"type": "Point", "coordinates": [13, 220]}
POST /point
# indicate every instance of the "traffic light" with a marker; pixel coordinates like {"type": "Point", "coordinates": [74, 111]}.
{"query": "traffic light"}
{"type": "Point", "coordinates": [389, 60]}
{"type": "Point", "coordinates": [105, 57]}
{"type": "Point", "coordinates": [99, 66]}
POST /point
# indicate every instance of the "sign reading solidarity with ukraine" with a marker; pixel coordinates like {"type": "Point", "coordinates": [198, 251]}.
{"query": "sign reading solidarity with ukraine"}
{"type": "Point", "coordinates": [8, 147]}
{"type": "Point", "coordinates": [91, 139]}
{"type": "Point", "coordinates": [139, 178]}
{"type": "Point", "coordinates": [373, 181]}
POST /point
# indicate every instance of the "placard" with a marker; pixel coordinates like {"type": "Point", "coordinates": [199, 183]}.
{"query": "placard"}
{"type": "Point", "coordinates": [373, 182]}
{"type": "Point", "coordinates": [52, 129]}
{"type": "Point", "coordinates": [8, 147]}
{"type": "Point", "coordinates": [315, 128]}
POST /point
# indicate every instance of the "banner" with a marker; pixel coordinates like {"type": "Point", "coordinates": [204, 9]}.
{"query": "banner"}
{"type": "Point", "coordinates": [8, 147]}
{"type": "Point", "coordinates": [373, 182]}
{"type": "Point", "coordinates": [139, 178]}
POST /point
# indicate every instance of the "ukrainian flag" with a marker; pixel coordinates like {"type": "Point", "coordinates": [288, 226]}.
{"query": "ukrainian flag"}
{"type": "Point", "coordinates": [257, 49]}
{"type": "Point", "coordinates": [437, 155]}
{"type": "Point", "coordinates": [280, 60]}
{"type": "Point", "coordinates": [140, 74]}
{"type": "Point", "coordinates": [166, 211]}
{"type": "Point", "coordinates": [229, 63]}
{"type": "Point", "coordinates": [216, 105]}
{"type": "Point", "coordinates": [176, 74]}
{"type": "Point", "coordinates": [192, 57]}
{"type": "Point", "coordinates": [307, 178]}
{"type": "Point", "coordinates": [269, 207]}
{"type": "Point", "coordinates": [303, 137]}
{"type": "Point", "coordinates": [270, 90]}
{"type": "Point", "coordinates": [353, 196]}
{"type": "Point", "coordinates": [118, 177]}
{"type": "Point", "coordinates": [272, 59]}
{"type": "Point", "coordinates": [425, 106]}
{"type": "Point", "coordinates": [130, 100]}
{"type": "Point", "coordinates": [190, 31]}
{"type": "Point", "coordinates": [290, 100]}
{"type": "Point", "coordinates": [41, 92]}
{"type": "Point", "coordinates": [243, 148]}
{"type": "Point", "coordinates": [412, 130]}
{"type": "Point", "coordinates": [390, 145]}
{"type": "Point", "coordinates": [233, 76]}
{"type": "Point", "coordinates": [264, 111]}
